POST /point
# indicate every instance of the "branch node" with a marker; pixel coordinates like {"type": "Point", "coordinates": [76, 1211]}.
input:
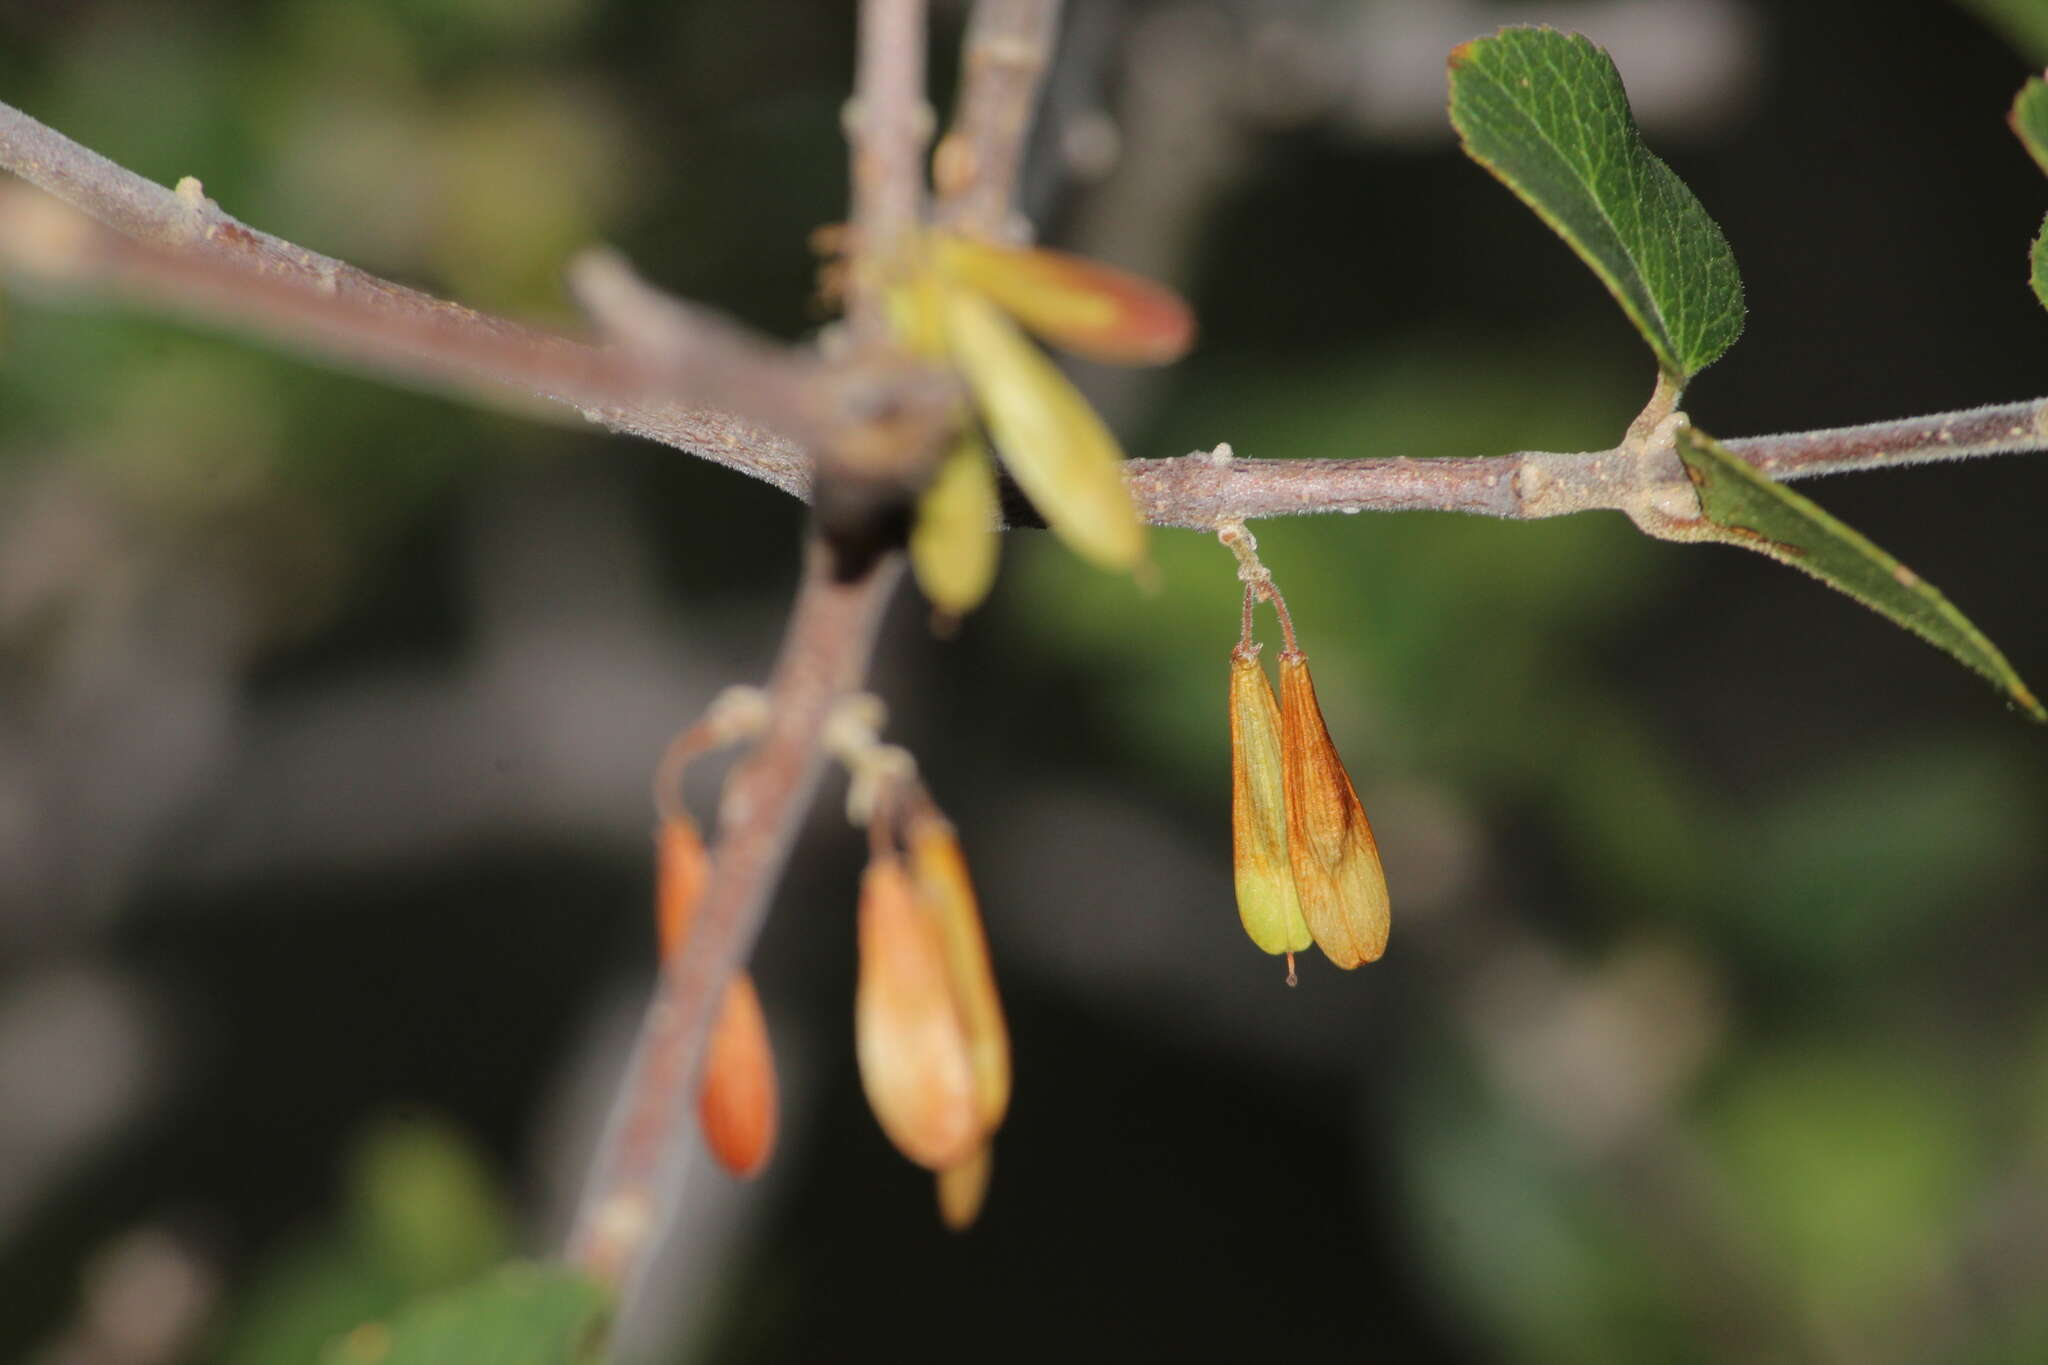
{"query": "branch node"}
{"type": "Point", "coordinates": [1662, 406]}
{"type": "Point", "coordinates": [852, 735]}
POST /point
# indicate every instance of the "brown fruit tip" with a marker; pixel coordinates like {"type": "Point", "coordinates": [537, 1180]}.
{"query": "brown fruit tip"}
{"type": "Point", "coordinates": [963, 1189]}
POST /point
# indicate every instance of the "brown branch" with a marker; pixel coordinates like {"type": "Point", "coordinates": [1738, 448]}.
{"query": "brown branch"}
{"type": "Point", "coordinates": [92, 184]}
{"type": "Point", "coordinates": [633, 1188]}
{"type": "Point", "coordinates": [181, 252]}
{"type": "Point", "coordinates": [888, 123]}
{"type": "Point", "coordinates": [1197, 490]}
{"type": "Point", "coordinates": [896, 415]}
{"type": "Point", "coordinates": [177, 250]}
{"type": "Point", "coordinates": [1002, 65]}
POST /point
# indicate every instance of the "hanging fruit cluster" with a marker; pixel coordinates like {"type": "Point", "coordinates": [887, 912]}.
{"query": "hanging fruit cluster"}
{"type": "Point", "coordinates": [933, 1049]}
{"type": "Point", "coordinates": [1307, 867]}
{"type": "Point", "coordinates": [929, 1035]}
{"type": "Point", "coordinates": [928, 1026]}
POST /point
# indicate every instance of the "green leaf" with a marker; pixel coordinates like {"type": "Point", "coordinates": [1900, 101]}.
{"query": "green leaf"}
{"type": "Point", "coordinates": [518, 1315]}
{"type": "Point", "coordinates": [425, 1204]}
{"type": "Point", "coordinates": [1546, 113]}
{"type": "Point", "coordinates": [1744, 508]}
{"type": "Point", "coordinates": [2023, 22]}
{"type": "Point", "coordinates": [2038, 262]}
{"type": "Point", "coordinates": [422, 1214]}
{"type": "Point", "coordinates": [2029, 119]}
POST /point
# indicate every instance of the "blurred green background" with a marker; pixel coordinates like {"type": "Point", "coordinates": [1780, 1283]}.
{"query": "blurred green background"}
{"type": "Point", "coordinates": [1715, 1024]}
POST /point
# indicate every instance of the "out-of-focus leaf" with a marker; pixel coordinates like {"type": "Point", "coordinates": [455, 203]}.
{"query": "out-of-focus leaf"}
{"type": "Point", "coordinates": [2037, 264]}
{"type": "Point", "coordinates": [1745, 508]}
{"type": "Point", "coordinates": [2029, 119]}
{"type": "Point", "coordinates": [455, 23]}
{"type": "Point", "coordinates": [2030, 1086]}
{"type": "Point", "coordinates": [1851, 1165]}
{"type": "Point", "coordinates": [1867, 864]}
{"type": "Point", "coordinates": [1505, 1223]}
{"type": "Point", "coordinates": [527, 173]}
{"type": "Point", "coordinates": [2024, 23]}
{"type": "Point", "coordinates": [518, 1315]}
{"type": "Point", "coordinates": [1546, 113]}
{"type": "Point", "coordinates": [421, 1215]}
{"type": "Point", "coordinates": [303, 1300]}
{"type": "Point", "coordinates": [425, 1206]}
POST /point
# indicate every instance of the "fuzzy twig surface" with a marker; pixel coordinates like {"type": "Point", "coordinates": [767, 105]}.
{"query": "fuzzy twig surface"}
{"type": "Point", "coordinates": [176, 250]}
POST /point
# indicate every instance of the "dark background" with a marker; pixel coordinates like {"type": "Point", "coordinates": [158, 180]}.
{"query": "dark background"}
{"type": "Point", "coordinates": [1714, 1025]}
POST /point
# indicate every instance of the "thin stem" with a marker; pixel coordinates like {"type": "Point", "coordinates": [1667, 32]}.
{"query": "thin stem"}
{"type": "Point", "coordinates": [1002, 64]}
{"type": "Point", "coordinates": [1257, 580]}
{"type": "Point", "coordinates": [668, 773]}
{"type": "Point", "coordinates": [635, 1183]}
{"type": "Point", "coordinates": [737, 713]}
{"type": "Point", "coordinates": [1995, 429]}
{"type": "Point", "coordinates": [1287, 642]}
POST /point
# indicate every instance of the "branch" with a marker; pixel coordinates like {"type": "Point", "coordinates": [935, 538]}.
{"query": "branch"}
{"type": "Point", "coordinates": [888, 123]}
{"type": "Point", "coordinates": [178, 251]}
{"type": "Point", "coordinates": [634, 1184]}
{"type": "Point", "coordinates": [181, 252]}
{"type": "Point", "coordinates": [1195, 490]}
{"type": "Point", "coordinates": [895, 419]}
{"type": "Point", "coordinates": [1003, 62]}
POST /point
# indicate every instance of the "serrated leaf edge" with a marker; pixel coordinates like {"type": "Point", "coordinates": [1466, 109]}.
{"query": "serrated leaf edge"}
{"type": "Point", "coordinates": [1690, 440]}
